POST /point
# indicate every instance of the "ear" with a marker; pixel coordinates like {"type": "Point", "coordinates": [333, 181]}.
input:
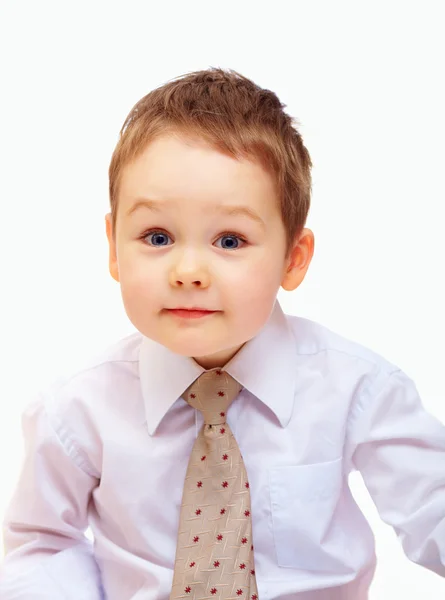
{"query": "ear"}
{"type": "Point", "coordinates": [299, 260]}
{"type": "Point", "coordinates": [112, 262]}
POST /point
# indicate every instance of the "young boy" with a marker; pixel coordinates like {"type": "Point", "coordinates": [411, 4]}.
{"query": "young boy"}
{"type": "Point", "coordinates": [206, 159]}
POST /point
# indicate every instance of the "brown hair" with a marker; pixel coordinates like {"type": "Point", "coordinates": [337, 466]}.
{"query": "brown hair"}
{"type": "Point", "coordinates": [234, 116]}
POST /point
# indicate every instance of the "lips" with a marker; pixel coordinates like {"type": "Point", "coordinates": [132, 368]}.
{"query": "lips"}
{"type": "Point", "coordinates": [190, 313]}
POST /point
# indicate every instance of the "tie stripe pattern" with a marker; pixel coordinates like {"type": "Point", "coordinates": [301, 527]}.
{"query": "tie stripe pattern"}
{"type": "Point", "coordinates": [214, 553]}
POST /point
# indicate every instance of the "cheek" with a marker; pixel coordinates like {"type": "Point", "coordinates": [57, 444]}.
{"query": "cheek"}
{"type": "Point", "coordinates": [139, 281]}
{"type": "Point", "coordinates": [261, 276]}
{"type": "Point", "coordinates": [253, 289]}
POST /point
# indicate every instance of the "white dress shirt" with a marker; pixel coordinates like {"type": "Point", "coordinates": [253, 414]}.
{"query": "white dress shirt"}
{"type": "Point", "coordinates": [108, 448]}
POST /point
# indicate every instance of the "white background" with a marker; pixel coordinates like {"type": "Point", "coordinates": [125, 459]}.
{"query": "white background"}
{"type": "Point", "coordinates": [366, 82]}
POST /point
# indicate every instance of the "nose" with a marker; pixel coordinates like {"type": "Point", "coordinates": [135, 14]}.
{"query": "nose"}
{"type": "Point", "coordinates": [189, 270]}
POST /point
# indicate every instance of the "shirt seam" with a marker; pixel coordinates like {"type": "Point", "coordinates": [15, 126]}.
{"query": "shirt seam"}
{"type": "Point", "coordinates": [70, 445]}
{"type": "Point", "coordinates": [365, 397]}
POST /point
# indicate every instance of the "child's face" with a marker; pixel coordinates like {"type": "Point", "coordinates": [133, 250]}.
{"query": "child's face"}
{"type": "Point", "coordinates": [195, 260]}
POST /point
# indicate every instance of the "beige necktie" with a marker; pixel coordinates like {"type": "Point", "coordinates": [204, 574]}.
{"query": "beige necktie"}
{"type": "Point", "coordinates": [214, 554]}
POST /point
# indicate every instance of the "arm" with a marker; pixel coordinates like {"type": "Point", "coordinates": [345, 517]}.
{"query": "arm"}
{"type": "Point", "coordinates": [47, 554]}
{"type": "Point", "coordinates": [400, 453]}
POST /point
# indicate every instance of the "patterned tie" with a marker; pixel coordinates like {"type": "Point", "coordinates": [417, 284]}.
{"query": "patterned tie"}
{"type": "Point", "coordinates": [214, 554]}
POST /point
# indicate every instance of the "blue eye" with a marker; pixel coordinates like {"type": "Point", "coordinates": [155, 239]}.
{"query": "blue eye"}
{"type": "Point", "coordinates": [159, 239]}
{"type": "Point", "coordinates": [231, 237]}
{"type": "Point", "coordinates": [156, 235]}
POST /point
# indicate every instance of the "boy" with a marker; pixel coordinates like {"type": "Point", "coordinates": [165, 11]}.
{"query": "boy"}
{"type": "Point", "coordinates": [205, 159]}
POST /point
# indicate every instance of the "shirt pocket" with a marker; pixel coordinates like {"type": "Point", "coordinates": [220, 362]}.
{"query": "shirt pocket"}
{"type": "Point", "coordinates": [303, 503]}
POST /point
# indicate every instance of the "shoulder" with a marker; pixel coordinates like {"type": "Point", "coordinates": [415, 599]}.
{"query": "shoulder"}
{"type": "Point", "coordinates": [93, 391]}
{"type": "Point", "coordinates": [316, 340]}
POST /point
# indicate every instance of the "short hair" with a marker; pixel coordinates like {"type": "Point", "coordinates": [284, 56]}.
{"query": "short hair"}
{"type": "Point", "coordinates": [234, 116]}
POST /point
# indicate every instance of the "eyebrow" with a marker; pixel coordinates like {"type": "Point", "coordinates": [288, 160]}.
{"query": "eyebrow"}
{"type": "Point", "coordinates": [155, 206]}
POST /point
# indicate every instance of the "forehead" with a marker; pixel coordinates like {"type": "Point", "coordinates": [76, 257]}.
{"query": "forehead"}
{"type": "Point", "coordinates": [185, 169]}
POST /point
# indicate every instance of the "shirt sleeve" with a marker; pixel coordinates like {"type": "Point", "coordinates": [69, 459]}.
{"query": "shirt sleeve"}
{"type": "Point", "coordinates": [400, 454]}
{"type": "Point", "coordinates": [47, 554]}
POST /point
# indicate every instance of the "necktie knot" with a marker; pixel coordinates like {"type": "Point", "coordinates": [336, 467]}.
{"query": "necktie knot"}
{"type": "Point", "coordinates": [211, 394]}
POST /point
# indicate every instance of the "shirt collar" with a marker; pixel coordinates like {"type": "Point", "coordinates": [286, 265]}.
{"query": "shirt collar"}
{"type": "Point", "coordinates": [265, 366]}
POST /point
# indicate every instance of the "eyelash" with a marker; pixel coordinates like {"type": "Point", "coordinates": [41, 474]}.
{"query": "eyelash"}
{"type": "Point", "coordinates": [223, 234]}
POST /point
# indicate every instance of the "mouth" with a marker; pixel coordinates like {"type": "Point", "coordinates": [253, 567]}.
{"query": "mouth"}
{"type": "Point", "coordinates": [190, 313]}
